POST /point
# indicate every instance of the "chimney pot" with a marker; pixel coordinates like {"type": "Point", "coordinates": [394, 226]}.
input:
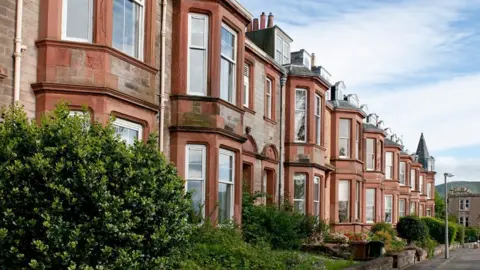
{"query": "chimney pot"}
{"type": "Point", "coordinates": [314, 64]}
{"type": "Point", "coordinates": [270, 20]}
{"type": "Point", "coordinates": [255, 24]}
{"type": "Point", "coordinates": [263, 20]}
{"type": "Point", "coordinates": [249, 27]}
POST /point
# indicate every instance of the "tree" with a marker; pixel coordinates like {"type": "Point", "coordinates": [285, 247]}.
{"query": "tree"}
{"type": "Point", "coordinates": [439, 206]}
{"type": "Point", "coordinates": [412, 229]}
{"type": "Point", "coordinates": [74, 196]}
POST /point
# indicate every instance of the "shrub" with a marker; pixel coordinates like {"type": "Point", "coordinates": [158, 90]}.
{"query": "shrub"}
{"type": "Point", "coordinates": [383, 226]}
{"type": "Point", "coordinates": [412, 228]}
{"type": "Point", "coordinates": [74, 196]}
{"type": "Point", "coordinates": [385, 237]}
{"type": "Point", "coordinates": [460, 237]}
{"type": "Point", "coordinates": [471, 234]}
{"type": "Point", "coordinates": [282, 229]}
{"type": "Point", "coordinates": [437, 229]}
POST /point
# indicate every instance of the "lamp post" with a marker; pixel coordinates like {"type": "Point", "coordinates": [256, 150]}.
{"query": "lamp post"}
{"type": "Point", "coordinates": [446, 175]}
{"type": "Point", "coordinates": [283, 81]}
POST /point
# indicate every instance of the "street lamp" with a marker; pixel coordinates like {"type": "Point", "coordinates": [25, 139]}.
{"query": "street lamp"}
{"type": "Point", "coordinates": [283, 81]}
{"type": "Point", "coordinates": [446, 175]}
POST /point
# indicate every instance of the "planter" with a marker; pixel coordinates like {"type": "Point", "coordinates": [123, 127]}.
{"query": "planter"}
{"type": "Point", "coordinates": [359, 250]}
{"type": "Point", "coordinates": [375, 249]}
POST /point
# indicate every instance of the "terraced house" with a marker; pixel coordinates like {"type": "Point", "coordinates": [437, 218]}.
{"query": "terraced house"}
{"type": "Point", "coordinates": [234, 106]}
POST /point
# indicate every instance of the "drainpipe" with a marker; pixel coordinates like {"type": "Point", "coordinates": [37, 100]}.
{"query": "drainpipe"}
{"type": "Point", "coordinates": [18, 51]}
{"type": "Point", "coordinates": [283, 81]}
{"type": "Point", "coordinates": [161, 113]}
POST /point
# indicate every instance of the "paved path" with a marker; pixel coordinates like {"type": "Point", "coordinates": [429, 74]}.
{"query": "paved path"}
{"type": "Point", "coordinates": [461, 258]}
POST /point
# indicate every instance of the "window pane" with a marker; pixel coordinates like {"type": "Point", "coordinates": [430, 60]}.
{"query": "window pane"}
{"type": "Point", "coordinates": [316, 189]}
{"type": "Point", "coordinates": [343, 200]}
{"type": "Point", "coordinates": [226, 80]}
{"type": "Point", "coordinates": [126, 134]}
{"type": "Point", "coordinates": [224, 202]}
{"type": "Point", "coordinates": [345, 128]}
{"type": "Point", "coordinates": [197, 36]}
{"type": "Point", "coordinates": [370, 205]}
{"type": "Point", "coordinates": [195, 159]}
{"type": "Point", "coordinates": [225, 168]}
{"type": "Point", "coordinates": [228, 44]}
{"type": "Point", "coordinates": [127, 20]}
{"type": "Point", "coordinates": [79, 19]}
{"type": "Point", "coordinates": [118, 25]}
{"type": "Point", "coordinates": [300, 206]}
{"type": "Point", "coordinates": [300, 126]}
{"type": "Point", "coordinates": [344, 145]}
{"type": "Point", "coordinates": [300, 99]}
{"type": "Point", "coordinates": [197, 193]}
{"type": "Point", "coordinates": [197, 71]}
{"type": "Point", "coordinates": [299, 190]}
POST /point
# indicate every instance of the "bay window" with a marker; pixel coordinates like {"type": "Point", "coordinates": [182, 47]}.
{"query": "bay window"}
{"type": "Point", "coordinates": [357, 141]}
{"type": "Point", "coordinates": [268, 98]}
{"type": "Point", "coordinates": [429, 190]}
{"type": "Point", "coordinates": [77, 20]}
{"type": "Point", "coordinates": [246, 85]}
{"type": "Point", "coordinates": [197, 54]}
{"type": "Point", "coordinates": [344, 200]}
{"type": "Point", "coordinates": [300, 185]}
{"type": "Point", "coordinates": [420, 211]}
{"type": "Point", "coordinates": [128, 27]}
{"type": "Point", "coordinates": [389, 165]}
{"type": "Point", "coordinates": [370, 154]}
{"type": "Point", "coordinates": [412, 179]}
{"type": "Point", "coordinates": [316, 195]}
{"type": "Point", "coordinates": [357, 201]}
{"type": "Point", "coordinates": [401, 208]}
{"type": "Point", "coordinates": [227, 64]}
{"type": "Point", "coordinates": [195, 176]}
{"type": "Point", "coordinates": [402, 173]}
{"type": "Point", "coordinates": [412, 208]}
{"type": "Point", "coordinates": [318, 119]}
{"type": "Point", "coordinates": [344, 138]}
{"type": "Point", "coordinates": [429, 212]}
{"type": "Point", "coordinates": [128, 131]}
{"type": "Point", "coordinates": [300, 115]}
{"type": "Point", "coordinates": [370, 205]}
{"type": "Point", "coordinates": [388, 208]}
{"type": "Point", "coordinates": [226, 185]}
{"type": "Point", "coordinates": [420, 184]}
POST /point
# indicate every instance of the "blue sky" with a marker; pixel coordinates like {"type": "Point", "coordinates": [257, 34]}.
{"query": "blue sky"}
{"type": "Point", "coordinates": [416, 63]}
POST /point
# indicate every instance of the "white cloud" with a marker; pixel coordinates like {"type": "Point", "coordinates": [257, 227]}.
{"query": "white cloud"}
{"type": "Point", "coordinates": [464, 169]}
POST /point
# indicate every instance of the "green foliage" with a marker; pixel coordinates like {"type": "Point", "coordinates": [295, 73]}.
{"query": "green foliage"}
{"type": "Point", "coordinates": [439, 205]}
{"type": "Point", "coordinates": [437, 229]}
{"type": "Point", "coordinates": [460, 237]}
{"type": "Point", "coordinates": [429, 244]}
{"type": "Point", "coordinates": [281, 229]}
{"type": "Point", "coordinates": [412, 228]}
{"type": "Point", "coordinates": [383, 226]}
{"type": "Point", "coordinates": [471, 234]}
{"type": "Point", "coordinates": [74, 196]}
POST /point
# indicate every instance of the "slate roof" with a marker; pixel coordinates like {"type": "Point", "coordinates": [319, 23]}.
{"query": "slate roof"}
{"type": "Point", "coordinates": [422, 152]}
{"type": "Point", "coordinates": [373, 128]}
{"type": "Point", "coordinates": [389, 142]}
{"type": "Point", "coordinates": [343, 104]}
{"type": "Point", "coordinates": [300, 70]}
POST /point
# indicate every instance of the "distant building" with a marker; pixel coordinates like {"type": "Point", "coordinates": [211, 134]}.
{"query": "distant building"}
{"type": "Point", "coordinates": [465, 206]}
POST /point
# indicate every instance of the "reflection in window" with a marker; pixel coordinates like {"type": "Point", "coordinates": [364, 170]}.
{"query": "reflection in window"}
{"type": "Point", "coordinates": [318, 119]}
{"type": "Point", "coordinates": [226, 182]}
{"type": "Point", "coordinates": [370, 202]}
{"type": "Point", "coordinates": [197, 54]}
{"type": "Point", "coordinates": [227, 64]}
{"type": "Point", "coordinates": [370, 154]}
{"type": "Point", "coordinates": [77, 20]}
{"type": "Point", "coordinates": [268, 97]}
{"type": "Point", "coordinates": [402, 173]}
{"type": "Point", "coordinates": [401, 207]}
{"type": "Point", "coordinates": [195, 176]}
{"type": "Point", "coordinates": [299, 181]}
{"type": "Point", "coordinates": [316, 195]}
{"type": "Point", "coordinates": [388, 208]}
{"type": "Point", "coordinates": [300, 115]}
{"type": "Point", "coordinates": [344, 138]}
{"type": "Point", "coordinates": [128, 18]}
{"type": "Point", "coordinates": [343, 200]}
{"type": "Point", "coordinates": [128, 131]}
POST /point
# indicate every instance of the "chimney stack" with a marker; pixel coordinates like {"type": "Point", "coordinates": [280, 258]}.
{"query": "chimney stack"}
{"type": "Point", "coordinates": [313, 61]}
{"type": "Point", "coordinates": [270, 20]}
{"type": "Point", "coordinates": [263, 20]}
{"type": "Point", "coordinates": [249, 27]}
{"type": "Point", "coordinates": [255, 24]}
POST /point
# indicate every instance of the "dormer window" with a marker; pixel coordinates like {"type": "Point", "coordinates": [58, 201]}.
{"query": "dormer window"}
{"type": "Point", "coordinates": [353, 99]}
{"type": "Point", "coordinates": [394, 137]}
{"type": "Point", "coordinates": [328, 95]}
{"type": "Point", "coordinates": [364, 107]}
{"type": "Point", "coordinates": [282, 51]}
{"type": "Point", "coordinates": [307, 59]}
{"type": "Point", "coordinates": [372, 119]}
{"type": "Point", "coordinates": [340, 91]}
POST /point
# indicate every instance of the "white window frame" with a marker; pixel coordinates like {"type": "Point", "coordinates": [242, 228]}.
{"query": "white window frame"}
{"type": "Point", "coordinates": [284, 51]}
{"type": "Point", "coordinates": [141, 30]}
{"type": "Point", "coordinates": [429, 212]}
{"type": "Point", "coordinates": [340, 138]}
{"type": "Point", "coordinates": [357, 201]}
{"type": "Point", "coordinates": [357, 141]}
{"type": "Point", "coordinates": [316, 199]}
{"type": "Point", "coordinates": [389, 165]}
{"type": "Point", "coordinates": [370, 154]}
{"type": "Point", "coordinates": [413, 180]}
{"type": "Point", "coordinates": [370, 203]}
{"type": "Point", "coordinates": [65, 19]}
{"type": "Point", "coordinates": [203, 92]}
{"type": "Point", "coordinates": [246, 85]}
{"type": "Point", "coordinates": [268, 96]}
{"type": "Point", "coordinates": [412, 209]}
{"type": "Point", "coordinates": [420, 184]}
{"type": "Point", "coordinates": [429, 190]}
{"type": "Point", "coordinates": [196, 147]}
{"type": "Point", "coordinates": [231, 61]}
{"type": "Point", "coordinates": [401, 210]}
{"type": "Point", "coordinates": [318, 119]}
{"type": "Point", "coordinates": [301, 110]}
{"type": "Point", "coordinates": [403, 167]}
{"type": "Point", "coordinates": [232, 197]}
{"type": "Point", "coordinates": [344, 184]}
{"type": "Point", "coordinates": [304, 192]}
{"type": "Point", "coordinates": [130, 125]}
{"type": "Point", "coordinates": [390, 199]}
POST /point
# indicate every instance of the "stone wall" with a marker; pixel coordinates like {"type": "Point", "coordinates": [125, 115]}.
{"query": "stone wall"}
{"type": "Point", "coordinates": [384, 263]}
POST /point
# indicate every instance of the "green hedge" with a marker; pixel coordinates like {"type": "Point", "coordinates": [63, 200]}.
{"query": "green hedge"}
{"type": "Point", "coordinates": [73, 196]}
{"type": "Point", "coordinates": [383, 226]}
{"type": "Point", "coordinates": [460, 238]}
{"type": "Point", "coordinates": [412, 228]}
{"type": "Point", "coordinates": [437, 229]}
{"type": "Point", "coordinates": [471, 234]}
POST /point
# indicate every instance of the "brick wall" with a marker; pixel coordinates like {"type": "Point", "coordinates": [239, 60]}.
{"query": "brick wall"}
{"type": "Point", "coordinates": [7, 34]}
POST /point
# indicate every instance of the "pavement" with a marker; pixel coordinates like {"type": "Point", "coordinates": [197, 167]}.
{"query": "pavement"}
{"type": "Point", "coordinates": [461, 258]}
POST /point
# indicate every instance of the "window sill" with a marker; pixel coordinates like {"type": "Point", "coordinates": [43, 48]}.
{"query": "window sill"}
{"type": "Point", "coordinates": [269, 120]}
{"type": "Point", "coordinates": [247, 109]}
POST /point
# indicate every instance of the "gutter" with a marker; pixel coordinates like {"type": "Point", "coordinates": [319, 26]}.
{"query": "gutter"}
{"type": "Point", "coordinates": [161, 104]}
{"type": "Point", "coordinates": [19, 48]}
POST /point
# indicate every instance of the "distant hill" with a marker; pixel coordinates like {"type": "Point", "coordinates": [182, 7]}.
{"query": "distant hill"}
{"type": "Point", "coordinates": [474, 186]}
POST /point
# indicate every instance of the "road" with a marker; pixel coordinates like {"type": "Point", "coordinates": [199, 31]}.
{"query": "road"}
{"type": "Point", "coordinates": [470, 259]}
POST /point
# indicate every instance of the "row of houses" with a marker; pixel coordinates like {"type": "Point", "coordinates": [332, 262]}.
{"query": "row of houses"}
{"type": "Point", "coordinates": [232, 104]}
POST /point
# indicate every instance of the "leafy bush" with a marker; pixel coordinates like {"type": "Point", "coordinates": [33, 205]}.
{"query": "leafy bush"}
{"type": "Point", "coordinates": [74, 196]}
{"type": "Point", "coordinates": [471, 234]}
{"type": "Point", "coordinates": [437, 229]}
{"type": "Point", "coordinates": [383, 226]}
{"type": "Point", "coordinates": [460, 237]}
{"type": "Point", "coordinates": [282, 229]}
{"type": "Point", "coordinates": [383, 236]}
{"type": "Point", "coordinates": [356, 236]}
{"type": "Point", "coordinates": [412, 228]}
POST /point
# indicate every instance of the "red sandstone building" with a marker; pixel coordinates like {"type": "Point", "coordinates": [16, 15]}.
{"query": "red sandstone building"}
{"type": "Point", "coordinates": [232, 104]}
